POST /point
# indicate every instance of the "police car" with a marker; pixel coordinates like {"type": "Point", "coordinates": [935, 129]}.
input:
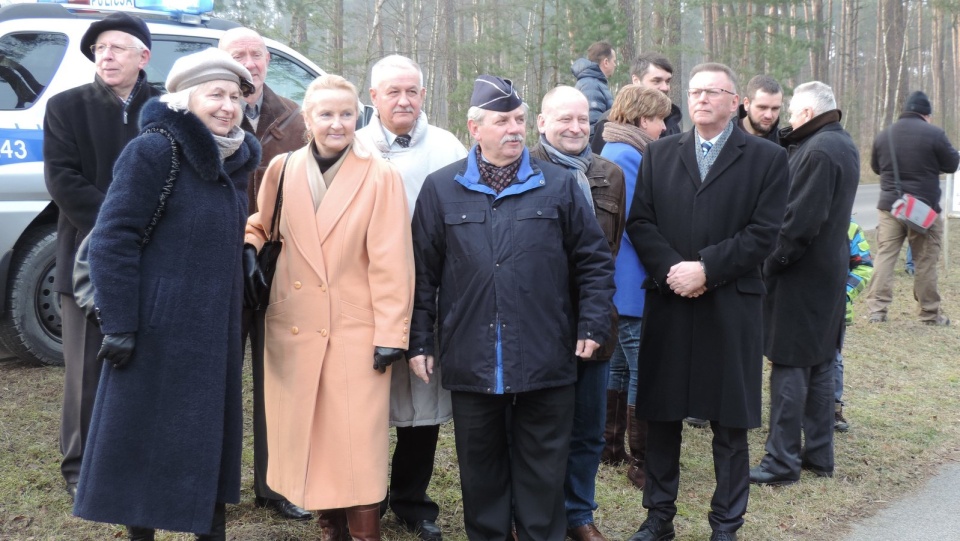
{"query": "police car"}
{"type": "Point", "coordinates": [39, 57]}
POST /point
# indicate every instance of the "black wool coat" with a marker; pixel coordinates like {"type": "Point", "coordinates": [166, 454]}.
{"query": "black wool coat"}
{"type": "Point", "coordinates": [166, 433]}
{"type": "Point", "coordinates": [703, 357]}
{"type": "Point", "coordinates": [806, 275]}
{"type": "Point", "coordinates": [84, 130]}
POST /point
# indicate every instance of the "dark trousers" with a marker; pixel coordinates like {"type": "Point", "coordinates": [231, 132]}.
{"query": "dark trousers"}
{"type": "Point", "coordinates": [524, 468]}
{"type": "Point", "coordinates": [252, 327]}
{"type": "Point", "coordinates": [81, 343]}
{"type": "Point", "coordinates": [801, 404]}
{"type": "Point", "coordinates": [731, 467]}
{"type": "Point", "coordinates": [411, 470]}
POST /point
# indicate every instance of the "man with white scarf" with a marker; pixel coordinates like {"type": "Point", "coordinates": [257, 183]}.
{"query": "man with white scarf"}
{"type": "Point", "coordinates": [564, 125]}
{"type": "Point", "coordinates": [400, 133]}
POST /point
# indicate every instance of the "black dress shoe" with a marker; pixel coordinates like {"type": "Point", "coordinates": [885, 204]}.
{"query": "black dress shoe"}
{"type": "Point", "coordinates": [284, 508]}
{"type": "Point", "coordinates": [717, 535]}
{"type": "Point", "coordinates": [816, 470]}
{"type": "Point", "coordinates": [426, 530]}
{"type": "Point", "coordinates": [760, 476]}
{"type": "Point", "coordinates": [654, 529]}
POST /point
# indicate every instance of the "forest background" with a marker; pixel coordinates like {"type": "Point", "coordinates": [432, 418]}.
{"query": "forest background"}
{"type": "Point", "coordinates": [872, 52]}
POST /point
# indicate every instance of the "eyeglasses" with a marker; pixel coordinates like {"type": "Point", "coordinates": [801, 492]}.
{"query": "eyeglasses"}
{"type": "Point", "coordinates": [711, 92]}
{"type": "Point", "coordinates": [101, 48]}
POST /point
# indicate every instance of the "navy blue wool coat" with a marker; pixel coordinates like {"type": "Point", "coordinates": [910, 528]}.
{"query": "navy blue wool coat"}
{"type": "Point", "coordinates": [165, 437]}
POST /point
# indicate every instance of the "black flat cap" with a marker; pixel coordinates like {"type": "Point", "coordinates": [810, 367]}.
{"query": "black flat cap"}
{"type": "Point", "coordinates": [118, 20]}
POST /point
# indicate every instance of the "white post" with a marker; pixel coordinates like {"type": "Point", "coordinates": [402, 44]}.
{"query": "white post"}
{"type": "Point", "coordinates": [953, 211]}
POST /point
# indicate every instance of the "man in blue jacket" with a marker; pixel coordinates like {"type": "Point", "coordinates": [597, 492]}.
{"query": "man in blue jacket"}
{"type": "Point", "coordinates": [592, 73]}
{"type": "Point", "coordinates": [500, 240]}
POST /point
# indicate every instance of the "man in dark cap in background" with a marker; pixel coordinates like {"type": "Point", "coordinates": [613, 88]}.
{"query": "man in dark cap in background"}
{"type": "Point", "coordinates": [922, 153]}
{"type": "Point", "coordinates": [499, 238]}
{"type": "Point", "coordinates": [84, 130]}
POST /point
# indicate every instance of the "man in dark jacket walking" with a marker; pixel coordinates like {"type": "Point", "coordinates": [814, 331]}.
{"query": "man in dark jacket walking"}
{"type": "Point", "coordinates": [806, 283]}
{"type": "Point", "coordinates": [592, 73]}
{"type": "Point", "coordinates": [500, 240]}
{"type": "Point", "coordinates": [564, 133]}
{"type": "Point", "coordinates": [704, 217]}
{"type": "Point", "coordinates": [84, 130]}
{"type": "Point", "coordinates": [760, 111]}
{"type": "Point", "coordinates": [279, 126]}
{"type": "Point", "coordinates": [649, 70]}
{"type": "Point", "coordinates": [922, 153]}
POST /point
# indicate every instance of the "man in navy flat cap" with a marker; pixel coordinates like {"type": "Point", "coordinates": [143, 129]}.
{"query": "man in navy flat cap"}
{"type": "Point", "coordinates": [84, 130]}
{"type": "Point", "coordinates": [512, 264]}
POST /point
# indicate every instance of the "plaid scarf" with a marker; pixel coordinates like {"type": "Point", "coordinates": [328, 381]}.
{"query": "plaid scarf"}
{"type": "Point", "coordinates": [497, 178]}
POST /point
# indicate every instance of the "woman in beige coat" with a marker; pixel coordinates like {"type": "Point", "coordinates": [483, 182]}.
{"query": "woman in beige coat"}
{"type": "Point", "coordinates": [338, 315]}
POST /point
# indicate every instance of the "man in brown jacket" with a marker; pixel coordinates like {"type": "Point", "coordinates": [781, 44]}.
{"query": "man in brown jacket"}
{"type": "Point", "coordinates": [278, 124]}
{"type": "Point", "coordinates": [564, 125]}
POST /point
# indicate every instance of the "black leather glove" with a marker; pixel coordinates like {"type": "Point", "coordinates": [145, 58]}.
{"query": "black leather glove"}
{"type": "Point", "coordinates": [117, 349]}
{"type": "Point", "coordinates": [253, 280]}
{"type": "Point", "coordinates": [384, 357]}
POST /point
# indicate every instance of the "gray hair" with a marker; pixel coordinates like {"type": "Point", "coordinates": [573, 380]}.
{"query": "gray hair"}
{"type": "Point", "coordinates": [477, 114]}
{"type": "Point", "coordinates": [815, 95]}
{"type": "Point", "coordinates": [180, 100]}
{"type": "Point", "coordinates": [393, 61]}
{"type": "Point", "coordinates": [716, 67]}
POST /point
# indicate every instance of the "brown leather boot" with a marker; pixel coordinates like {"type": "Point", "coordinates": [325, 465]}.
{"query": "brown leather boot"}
{"type": "Point", "coordinates": [637, 435]}
{"type": "Point", "coordinates": [333, 525]}
{"type": "Point", "coordinates": [613, 452]}
{"type": "Point", "coordinates": [363, 522]}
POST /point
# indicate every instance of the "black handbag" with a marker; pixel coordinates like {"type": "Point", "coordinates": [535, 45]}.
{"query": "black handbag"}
{"type": "Point", "coordinates": [83, 290]}
{"type": "Point", "coordinates": [270, 251]}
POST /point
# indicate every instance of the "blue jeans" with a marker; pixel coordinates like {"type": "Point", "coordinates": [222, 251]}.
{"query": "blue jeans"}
{"type": "Point", "coordinates": [586, 442]}
{"type": "Point", "coordinates": [623, 364]}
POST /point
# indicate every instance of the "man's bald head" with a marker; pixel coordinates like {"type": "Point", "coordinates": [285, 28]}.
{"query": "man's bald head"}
{"type": "Point", "coordinates": [247, 47]}
{"type": "Point", "coordinates": [564, 119]}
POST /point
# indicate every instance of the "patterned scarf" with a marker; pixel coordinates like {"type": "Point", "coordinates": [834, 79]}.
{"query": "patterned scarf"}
{"type": "Point", "coordinates": [705, 161]}
{"type": "Point", "coordinates": [578, 164]}
{"type": "Point", "coordinates": [497, 178]}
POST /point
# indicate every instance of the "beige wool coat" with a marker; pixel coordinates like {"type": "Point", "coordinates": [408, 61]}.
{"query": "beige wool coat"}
{"type": "Point", "coordinates": [344, 284]}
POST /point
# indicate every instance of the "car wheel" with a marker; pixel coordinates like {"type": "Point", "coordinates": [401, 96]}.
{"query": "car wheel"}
{"type": "Point", "coordinates": [30, 327]}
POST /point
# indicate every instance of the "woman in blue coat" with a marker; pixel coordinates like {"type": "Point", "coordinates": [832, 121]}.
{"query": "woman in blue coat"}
{"type": "Point", "coordinates": [635, 120]}
{"type": "Point", "coordinates": [165, 438]}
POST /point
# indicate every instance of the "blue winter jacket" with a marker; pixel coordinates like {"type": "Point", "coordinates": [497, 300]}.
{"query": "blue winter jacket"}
{"type": "Point", "coordinates": [503, 265]}
{"type": "Point", "coordinates": [593, 83]}
{"type": "Point", "coordinates": [630, 273]}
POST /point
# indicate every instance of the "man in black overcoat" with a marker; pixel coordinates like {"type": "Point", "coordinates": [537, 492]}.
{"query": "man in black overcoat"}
{"type": "Point", "coordinates": [806, 285]}
{"type": "Point", "coordinates": [705, 216]}
{"type": "Point", "coordinates": [84, 130]}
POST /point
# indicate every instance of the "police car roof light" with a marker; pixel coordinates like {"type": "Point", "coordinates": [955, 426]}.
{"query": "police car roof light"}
{"type": "Point", "coordinates": [174, 7]}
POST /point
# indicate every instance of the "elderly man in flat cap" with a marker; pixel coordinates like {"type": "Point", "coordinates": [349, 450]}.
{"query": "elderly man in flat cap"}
{"type": "Point", "coordinates": [84, 130]}
{"type": "Point", "coordinates": [499, 238]}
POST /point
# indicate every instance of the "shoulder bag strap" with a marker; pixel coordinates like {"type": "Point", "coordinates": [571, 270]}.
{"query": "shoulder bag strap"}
{"type": "Point", "coordinates": [893, 158]}
{"type": "Point", "coordinates": [167, 186]}
{"type": "Point", "coordinates": [278, 205]}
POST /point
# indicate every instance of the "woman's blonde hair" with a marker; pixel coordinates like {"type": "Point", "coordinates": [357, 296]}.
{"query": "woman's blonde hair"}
{"type": "Point", "coordinates": [329, 81]}
{"type": "Point", "coordinates": [634, 102]}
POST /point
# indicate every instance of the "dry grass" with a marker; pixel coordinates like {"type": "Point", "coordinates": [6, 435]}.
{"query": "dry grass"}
{"type": "Point", "coordinates": [902, 391]}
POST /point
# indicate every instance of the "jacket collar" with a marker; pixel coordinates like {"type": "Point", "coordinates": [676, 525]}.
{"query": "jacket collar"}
{"type": "Point", "coordinates": [378, 134]}
{"type": "Point", "coordinates": [790, 137]}
{"type": "Point", "coordinates": [529, 175]}
{"type": "Point", "coordinates": [730, 152]}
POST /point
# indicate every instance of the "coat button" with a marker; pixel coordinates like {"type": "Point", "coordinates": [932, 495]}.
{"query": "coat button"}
{"type": "Point", "coordinates": [295, 330]}
{"type": "Point", "coordinates": [323, 287]}
{"type": "Point", "coordinates": [297, 285]}
{"type": "Point", "coordinates": [403, 339]}
{"type": "Point", "coordinates": [539, 213]}
{"type": "Point", "coordinates": [406, 320]}
{"type": "Point", "coordinates": [405, 329]}
{"type": "Point", "coordinates": [323, 332]}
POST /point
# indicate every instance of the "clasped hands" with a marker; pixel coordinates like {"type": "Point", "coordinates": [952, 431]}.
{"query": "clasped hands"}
{"type": "Point", "coordinates": [687, 279]}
